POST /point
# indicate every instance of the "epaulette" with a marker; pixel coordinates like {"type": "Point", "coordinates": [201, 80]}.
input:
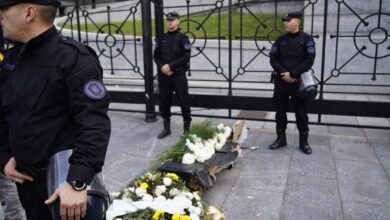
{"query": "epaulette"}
{"type": "Point", "coordinates": [91, 51]}
{"type": "Point", "coordinates": [80, 47]}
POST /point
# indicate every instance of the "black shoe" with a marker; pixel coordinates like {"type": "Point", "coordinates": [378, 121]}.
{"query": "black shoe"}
{"type": "Point", "coordinates": [280, 140]}
{"type": "Point", "coordinates": [303, 143]}
{"type": "Point", "coordinates": [163, 134]}
{"type": "Point", "coordinates": [186, 126]}
{"type": "Point", "coordinates": [166, 131]}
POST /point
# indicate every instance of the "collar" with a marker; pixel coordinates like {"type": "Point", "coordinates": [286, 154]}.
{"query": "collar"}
{"type": "Point", "coordinates": [175, 31]}
{"type": "Point", "coordinates": [294, 34]}
{"type": "Point", "coordinates": [38, 41]}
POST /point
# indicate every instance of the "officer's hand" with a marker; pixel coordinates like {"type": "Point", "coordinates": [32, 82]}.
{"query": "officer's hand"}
{"type": "Point", "coordinates": [286, 77]}
{"type": "Point", "coordinates": [166, 69]}
{"type": "Point", "coordinates": [170, 73]}
{"type": "Point", "coordinates": [73, 203]}
{"type": "Point", "coordinates": [13, 174]}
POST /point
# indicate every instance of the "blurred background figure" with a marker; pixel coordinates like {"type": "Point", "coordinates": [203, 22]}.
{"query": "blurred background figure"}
{"type": "Point", "coordinates": [10, 208]}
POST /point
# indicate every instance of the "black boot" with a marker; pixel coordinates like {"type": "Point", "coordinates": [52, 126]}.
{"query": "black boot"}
{"type": "Point", "coordinates": [280, 140]}
{"type": "Point", "coordinates": [303, 143]}
{"type": "Point", "coordinates": [167, 129]}
{"type": "Point", "coordinates": [186, 126]}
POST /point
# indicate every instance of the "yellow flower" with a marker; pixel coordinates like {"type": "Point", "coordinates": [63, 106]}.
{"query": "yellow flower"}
{"type": "Point", "coordinates": [172, 176]}
{"type": "Point", "coordinates": [180, 217]}
{"type": "Point", "coordinates": [175, 217]}
{"type": "Point", "coordinates": [185, 217]}
{"type": "Point", "coordinates": [157, 214]}
{"type": "Point", "coordinates": [144, 185]}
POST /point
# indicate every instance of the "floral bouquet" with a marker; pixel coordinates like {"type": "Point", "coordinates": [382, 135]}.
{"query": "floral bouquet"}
{"type": "Point", "coordinates": [202, 153]}
{"type": "Point", "coordinates": [199, 145]}
{"type": "Point", "coordinates": [158, 196]}
{"type": "Point", "coordinates": [200, 150]}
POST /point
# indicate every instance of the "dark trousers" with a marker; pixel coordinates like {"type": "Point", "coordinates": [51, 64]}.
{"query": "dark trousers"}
{"type": "Point", "coordinates": [176, 83]}
{"type": "Point", "coordinates": [282, 93]}
{"type": "Point", "coordinates": [32, 196]}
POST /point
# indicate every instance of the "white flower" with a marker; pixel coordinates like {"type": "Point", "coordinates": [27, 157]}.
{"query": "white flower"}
{"type": "Point", "coordinates": [194, 217]}
{"type": "Point", "coordinates": [147, 197]}
{"type": "Point", "coordinates": [220, 127]}
{"type": "Point", "coordinates": [221, 141]}
{"type": "Point", "coordinates": [193, 137]}
{"type": "Point", "coordinates": [148, 175]}
{"type": "Point", "coordinates": [160, 198]}
{"type": "Point", "coordinates": [195, 210]}
{"type": "Point", "coordinates": [190, 145]}
{"type": "Point", "coordinates": [167, 181]}
{"type": "Point", "coordinates": [140, 192]}
{"type": "Point", "coordinates": [173, 192]}
{"type": "Point", "coordinates": [160, 190]}
{"type": "Point", "coordinates": [219, 146]}
{"type": "Point", "coordinates": [209, 144]}
{"type": "Point", "coordinates": [187, 194]}
{"type": "Point", "coordinates": [188, 158]}
{"type": "Point", "coordinates": [186, 203]}
{"type": "Point", "coordinates": [131, 189]}
{"type": "Point", "coordinates": [127, 199]}
{"type": "Point", "coordinates": [227, 132]}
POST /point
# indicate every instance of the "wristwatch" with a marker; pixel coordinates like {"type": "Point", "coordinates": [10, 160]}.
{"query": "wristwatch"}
{"type": "Point", "coordinates": [78, 185]}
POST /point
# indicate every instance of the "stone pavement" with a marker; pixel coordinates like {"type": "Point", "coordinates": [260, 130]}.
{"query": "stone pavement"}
{"type": "Point", "coordinates": [346, 177]}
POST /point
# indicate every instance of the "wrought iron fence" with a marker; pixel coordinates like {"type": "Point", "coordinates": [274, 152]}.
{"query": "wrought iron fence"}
{"type": "Point", "coordinates": [231, 41]}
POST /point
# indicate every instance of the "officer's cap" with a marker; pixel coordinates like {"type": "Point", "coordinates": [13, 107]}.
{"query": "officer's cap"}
{"type": "Point", "coordinates": [38, 2]}
{"type": "Point", "coordinates": [292, 15]}
{"type": "Point", "coordinates": [172, 16]}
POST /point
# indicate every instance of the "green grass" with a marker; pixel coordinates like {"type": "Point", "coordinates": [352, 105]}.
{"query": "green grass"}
{"type": "Point", "coordinates": [249, 23]}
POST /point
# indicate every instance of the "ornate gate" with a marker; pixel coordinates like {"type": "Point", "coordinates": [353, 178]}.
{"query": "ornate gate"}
{"type": "Point", "coordinates": [231, 40]}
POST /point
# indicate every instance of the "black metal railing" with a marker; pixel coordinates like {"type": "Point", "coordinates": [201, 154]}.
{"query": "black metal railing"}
{"type": "Point", "coordinates": [351, 69]}
{"type": "Point", "coordinates": [107, 37]}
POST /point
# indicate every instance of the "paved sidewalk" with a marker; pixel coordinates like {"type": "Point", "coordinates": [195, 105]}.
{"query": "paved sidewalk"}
{"type": "Point", "coordinates": [346, 177]}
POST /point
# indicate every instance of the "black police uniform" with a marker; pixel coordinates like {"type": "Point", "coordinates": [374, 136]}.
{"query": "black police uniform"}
{"type": "Point", "coordinates": [52, 98]}
{"type": "Point", "coordinates": [173, 48]}
{"type": "Point", "coordinates": [294, 53]}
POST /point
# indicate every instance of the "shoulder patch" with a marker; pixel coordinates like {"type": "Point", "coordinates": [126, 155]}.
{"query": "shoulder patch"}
{"type": "Point", "coordinates": [311, 50]}
{"type": "Point", "coordinates": [310, 43]}
{"type": "Point", "coordinates": [94, 89]}
{"type": "Point", "coordinates": [274, 48]}
{"type": "Point", "coordinates": [187, 46]}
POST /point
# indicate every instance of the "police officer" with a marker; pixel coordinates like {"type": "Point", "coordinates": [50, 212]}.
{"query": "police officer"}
{"type": "Point", "coordinates": [8, 193]}
{"type": "Point", "coordinates": [291, 55]}
{"type": "Point", "coordinates": [172, 55]}
{"type": "Point", "coordinates": [51, 98]}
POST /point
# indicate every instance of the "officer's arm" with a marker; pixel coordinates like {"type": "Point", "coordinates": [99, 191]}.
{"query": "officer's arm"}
{"type": "Point", "coordinates": [275, 58]}
{"type": "Point", "coordinates": [310, 54]}
{"type": "Point", "coordinates": [89, 102]}
{"type": "Point", "coordinates": [156, 54]}
{"type": "Point", "coordinates": [185, 47]}
{"type": "Point", "coordinates": [5, 153]}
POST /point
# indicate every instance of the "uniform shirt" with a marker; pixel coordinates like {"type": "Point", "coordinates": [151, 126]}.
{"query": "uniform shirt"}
{"type": "Point", "coordinates": [52, 98]}
{"type": "Point", "coordinates": [172, 48]}
{"type": "Point", "coordinates": [294, 53]}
